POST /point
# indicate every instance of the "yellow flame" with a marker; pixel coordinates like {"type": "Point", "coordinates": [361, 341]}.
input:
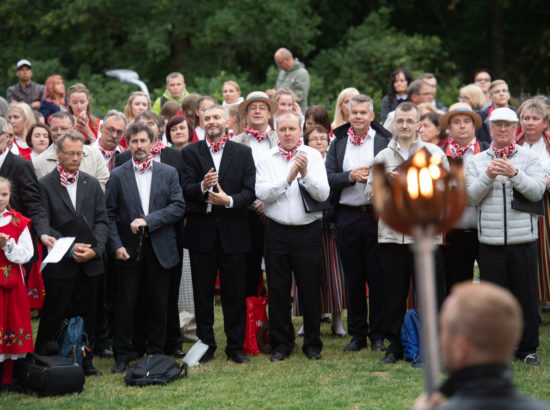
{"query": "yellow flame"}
{"type": "Point", "coordinates": [435, 159]}
{"type": "Point", "coordinates": [426, 185]}
{"type": "Point", "coordinates": [412, 182]}
{"type": "Point", "coordinates": [435, 172]}
{"type": "Point", "coordinates": [419, 159]}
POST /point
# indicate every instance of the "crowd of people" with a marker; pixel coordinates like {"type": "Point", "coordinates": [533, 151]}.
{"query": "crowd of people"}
{"type": "Point", "coordinates": [262, 183]}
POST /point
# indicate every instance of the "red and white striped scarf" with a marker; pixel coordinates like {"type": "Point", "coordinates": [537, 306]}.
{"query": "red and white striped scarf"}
{"type": "Point", "coordinates": [66, 176]}
{"type": "Point", "coordinates": [504, 151]}
{"type": "Point", "coordinates": [288, 155]}
{"type": "Point", "coordinates": [157, 148]}
{"type": "Point", "coordinates": [215, 146]}
{"type": "Point", "coordinates": [105, 153]}
{"type": "Point", "coordinates": [355, 139]}
{"type": "Point", "coordinates": [255, 133]}
{"type": "Point", "coordinates": [141, 167]}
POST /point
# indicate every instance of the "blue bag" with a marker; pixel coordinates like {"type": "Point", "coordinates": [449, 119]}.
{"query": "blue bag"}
{"type": "Point", "coordinates": [410, 338]}
{"type": "Point", "coordinates": [73, 340]}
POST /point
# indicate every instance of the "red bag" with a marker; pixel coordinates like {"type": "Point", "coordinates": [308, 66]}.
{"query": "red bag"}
{"type": "Point", "coordinates": [255, 317]}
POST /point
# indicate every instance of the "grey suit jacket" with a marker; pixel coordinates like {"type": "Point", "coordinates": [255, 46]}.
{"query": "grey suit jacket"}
{"type": "Point", "coordinates": [245, 139]}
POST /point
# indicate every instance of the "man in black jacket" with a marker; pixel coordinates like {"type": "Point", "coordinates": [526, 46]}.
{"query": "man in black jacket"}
{"type": "Point", "coordinates": [348, 163]}
{"type": "Point", "coordinates": [480, 329]}
{"type": "Point", "coordinates": [71, 284]}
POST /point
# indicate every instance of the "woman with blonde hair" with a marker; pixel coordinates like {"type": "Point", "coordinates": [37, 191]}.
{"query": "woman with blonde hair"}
{"type": "Point", "coordinates": [137, 103]}
{"type": "Point", "coordinates": [78, 99]}
{"type": "Point", "coordinates": [472, 95]}
{"type": "Point", "coordinates": [231, 93]}
{"type": "Point", "coordinates": [341, 111]}
{"type": "Point", "coordinates": [21, 118]}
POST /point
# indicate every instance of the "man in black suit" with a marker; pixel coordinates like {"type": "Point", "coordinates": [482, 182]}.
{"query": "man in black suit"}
{"type": "Point", "coordinates": [348, 166]}
{"type": "Point", "coordinates": [71, 284]}
{"type": "Point", "coordinates": [218, 185]}
{"type": "Point", "coordinates": [172, 157]}
{"type": "Point", "coordinates": [25, 195]}
{"type": "Point", "coordinates": [144, 202]}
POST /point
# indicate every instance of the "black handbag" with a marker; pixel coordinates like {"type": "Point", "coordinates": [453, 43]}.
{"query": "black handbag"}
{"type": "Point", "coordinates": [154, 369]}
{"type": "Point", "coordinates": [522, 204]}
{"type": "Point", "coordinates": [48, 375]}
{"type": "Point", "coordinates": [310, 204]}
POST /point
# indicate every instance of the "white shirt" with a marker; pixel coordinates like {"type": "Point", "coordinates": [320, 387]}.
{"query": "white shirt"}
{"type": "Point", "coordinates": [143, 182]}
{"type": "Point", "coordinates": [258, 148]}
{"type": "Point", "coordinates": [19, 252]}
{"type": "Point", "coordinates": [283, 202]}
{"type": "Point", "coordinates": [405, 152]}
{"type": "Point", "coordinates": [71, 190]}
{"type": "Point", "coordinates": [540, 148]}
{"type": "Point", "coordinates": [217, 159]}
{"type": "Point", "coordinates": [354, 157]}
{"type": "Point", "coordinates": [200, 133]}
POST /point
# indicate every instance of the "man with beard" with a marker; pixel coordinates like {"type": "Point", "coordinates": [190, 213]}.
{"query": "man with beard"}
{"type": "Point", "coordinates": [144, 202]}
{"type": "Point", "coordinates": [218, 185]}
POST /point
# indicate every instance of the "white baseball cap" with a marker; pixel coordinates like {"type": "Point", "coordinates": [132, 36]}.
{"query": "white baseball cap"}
{"type": "Point", "coordinates": [504, 114]}
{"type": "Point", "coordinates": [23, 62]}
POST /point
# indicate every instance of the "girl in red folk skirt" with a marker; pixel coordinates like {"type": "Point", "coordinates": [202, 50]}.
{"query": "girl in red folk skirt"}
{"type": "Point", "coordinates": [15, 317]}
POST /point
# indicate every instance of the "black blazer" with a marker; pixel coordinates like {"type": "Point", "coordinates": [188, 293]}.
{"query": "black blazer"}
{"type": "Point", "coordinates": [90, 203]}
{"type": "Point", "coordinates": [25, 193]}
{"type": "Point", "coordinates": [237, 178]}
{"type": "Point", "coordinates": [166, 209]}
{"type": "Point", "coordinates": [337, 178]}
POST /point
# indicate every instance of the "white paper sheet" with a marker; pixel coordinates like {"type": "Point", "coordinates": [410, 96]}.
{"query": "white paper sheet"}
{"type": "Point", "coordinates": [60, 248]}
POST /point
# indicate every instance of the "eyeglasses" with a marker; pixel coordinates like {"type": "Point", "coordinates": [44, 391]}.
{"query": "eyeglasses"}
{"type": "Point", "coordinates": [316, 140]}
{"type": "Point", "coordinates": [463, 98]}
{"type": "Point", "coordinates": [79, 154]}
{"type": "Point", "coordinates": [483, 80]}
{"type": "Point", "coordinates": [504, 124]}
{"type": "Point", "coordinates": [427, 94]}
{"type": "Point", "coordinates": [401, 121]}
{"type": "Point", "coordinates": [111, 130]}
{"type": "Point", "coordinates": [60, 130]}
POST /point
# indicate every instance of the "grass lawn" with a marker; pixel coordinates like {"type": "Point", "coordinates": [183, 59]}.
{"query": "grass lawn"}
{"type": "Point", "coordinates": [339, 380]}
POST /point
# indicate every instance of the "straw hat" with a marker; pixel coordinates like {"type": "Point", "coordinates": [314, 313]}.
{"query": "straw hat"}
{"type": "Point", "coordinates": [254, 97]}
{"type": "Point", "coordinates": [463, 109]}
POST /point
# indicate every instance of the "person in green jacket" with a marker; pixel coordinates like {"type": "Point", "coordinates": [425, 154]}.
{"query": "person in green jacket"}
{"type": "Point", "coordinates": [293, 75]}
{"type": "Point", "coordinates": [175, 91]}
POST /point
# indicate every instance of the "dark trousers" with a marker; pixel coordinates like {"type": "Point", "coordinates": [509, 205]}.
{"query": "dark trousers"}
{"type": "Point", "coordinates": [106, 298]}
{"type": "Point", "coordinates": [254, 258]}
{"type": "Point", "coordinates": [514, 267]}
{"type": "Point", "coordinates": [459, 254]}
{"type": "Point", "coordinates": [357, 240]}
{"type": "Point", "coordinates": [66, 298]}
{"type": "Point", "coordinates": [295, 249]}
{"type": "Point", "coordinates": [397, 265]}
{"type": "Point", "coordinates": [173, 332]}
{"type": "Point", "coordinates": [155, 280]}
{"type": "Point", "coordinates": [232, 267]}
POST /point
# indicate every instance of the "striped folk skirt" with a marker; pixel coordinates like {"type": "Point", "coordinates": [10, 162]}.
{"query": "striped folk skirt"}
{"type": "Point", "coordinates": [543, 244]}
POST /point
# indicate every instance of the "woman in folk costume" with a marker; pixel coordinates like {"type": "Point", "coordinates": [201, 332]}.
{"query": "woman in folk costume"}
{"type": "Point", "coordinates": [15, 317]}
{"type": "Point", "coordinates": [533, 117]}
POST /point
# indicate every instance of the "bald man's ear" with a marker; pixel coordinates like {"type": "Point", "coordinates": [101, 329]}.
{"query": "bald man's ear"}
{"type": "Point", "coordinates": [461, 351]}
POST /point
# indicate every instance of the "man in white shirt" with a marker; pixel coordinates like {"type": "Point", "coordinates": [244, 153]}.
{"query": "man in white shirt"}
{"type": "Point", "coordinates": [144, 204]}
{"type": "Point", "coordinates": [292, 236]}
{"type": "Point", "coordinates": [349, 160]}
{"type": "Point", "coordinates": [92, 162]}
{"type": "Point", "coordinates": [257, 110]}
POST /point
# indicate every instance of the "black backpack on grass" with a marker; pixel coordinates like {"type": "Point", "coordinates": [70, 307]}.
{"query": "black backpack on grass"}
{"type": "Point", "coordinates": [39, 375]}
{"type": "Point", "coordinates": [154, 369]}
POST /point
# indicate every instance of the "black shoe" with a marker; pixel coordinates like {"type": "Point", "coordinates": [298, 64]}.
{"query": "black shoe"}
{"type": "Point", "coordinates": [90, 370]}
{"type": "Point", "coordinates": [355, 345]}
{"type": "Point", "coordinates": [313, 354]}
{"type": "Point", "coordinates": [238, 357]}
{"type": "Point", "coordinates": [208, 356]}
{"type": "Point", "coordinates": [177, 353]}
{"type": "Point", "coordinates": [378, 346]}
{"type": "Point", "coordinates": [119, 367]}
{"type": "Point", "coordinates": [104, 353]}
{"type": "Point", "coordinates": [326, 319]}
{"type": "Point", "coordinates": [391, 358]}
{"type": "Point", "coordinates": [135, 356]}
{"type": "Point", "coordinates": [278, 357]}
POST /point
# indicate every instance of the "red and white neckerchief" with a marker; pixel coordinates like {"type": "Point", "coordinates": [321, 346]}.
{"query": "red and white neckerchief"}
{"type": "Point", "coordinates": [504, 151]}
{"type": "Point", "coordinates": [255, 133]}
{"type": "Point", "coordinates": [458, 151]}
{"type": "Point", "coordinates": [66, 177]}
{"type": "Point", "coordinates": [215, 146]}
{"type": "Point", "coordinates": [288, 155]}
{"type": "Point", "coordinates": [105, 153]}
{"type": "Point", "coordinates": [230, 134]}
{"type": "Point", "coordinates": [141, 167]}
{"type": "Point", "coordinates": [157, 148]}
{"type": "Point", "coordinates": [355, 139]}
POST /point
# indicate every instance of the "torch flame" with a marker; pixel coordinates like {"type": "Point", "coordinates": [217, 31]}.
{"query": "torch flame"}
{"type": "Point", "coordinates": [412, 182]}
{"type": "Point", "coordinates": [419, 160]}
{"type": "Point", "coordinates": [435, 172]}
{"type": "Point", "coordinates": [426, 185]}
{"type": "Point", "coordinates": [435, 159]}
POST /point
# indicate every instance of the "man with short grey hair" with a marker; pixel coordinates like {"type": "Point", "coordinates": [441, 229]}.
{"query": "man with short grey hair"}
{"type": "Point", "coordinates": [112, 130]}
{"type": "Point", "coordinates": [348, 165]}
